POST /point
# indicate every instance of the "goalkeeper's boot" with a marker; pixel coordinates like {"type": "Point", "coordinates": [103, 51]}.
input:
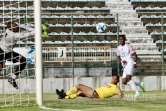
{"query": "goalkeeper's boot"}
{"type": "Point", "coordinates": [13, 82]}
{"type": "Point", "coordinates": [45, 34]}
{"type": "Point", "coordinates": [142, 86]}
{"type": "Point", "coordinates": [45, 28]}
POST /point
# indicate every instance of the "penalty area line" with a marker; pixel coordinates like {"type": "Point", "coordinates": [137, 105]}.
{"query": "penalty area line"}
{"type": "Point", "coordinates": [43, 107]}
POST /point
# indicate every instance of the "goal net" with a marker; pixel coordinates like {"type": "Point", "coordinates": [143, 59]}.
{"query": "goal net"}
{"type": "Point", "coordinates": [21, 13]}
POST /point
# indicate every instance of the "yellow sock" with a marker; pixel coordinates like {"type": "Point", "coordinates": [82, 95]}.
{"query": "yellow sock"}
{"type": "Point", "coordinates": [71, 91]}
{"type": "Point", "coordinates": [71, 96]}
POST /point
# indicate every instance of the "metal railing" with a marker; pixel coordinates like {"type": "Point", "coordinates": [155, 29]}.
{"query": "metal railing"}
{"type": "Point", "coordinates": [81, 54]}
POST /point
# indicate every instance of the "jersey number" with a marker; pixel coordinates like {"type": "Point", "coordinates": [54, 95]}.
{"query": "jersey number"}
{"type": "Point", "coordinates": [122, 54]}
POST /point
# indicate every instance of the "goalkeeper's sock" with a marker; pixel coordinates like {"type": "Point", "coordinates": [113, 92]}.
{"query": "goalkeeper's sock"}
{"type": "Point", "coordinates": [71, 91]}
{"type": "Point", "coordinates": [71, 96]}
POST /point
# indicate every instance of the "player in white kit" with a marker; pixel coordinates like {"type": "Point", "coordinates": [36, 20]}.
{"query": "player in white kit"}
{"type": "Point", "coordinates": [128, 58]}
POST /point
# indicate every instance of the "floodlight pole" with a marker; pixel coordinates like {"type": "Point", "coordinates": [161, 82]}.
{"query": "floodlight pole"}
{"type": "Point", "coordinates": [38, 47]}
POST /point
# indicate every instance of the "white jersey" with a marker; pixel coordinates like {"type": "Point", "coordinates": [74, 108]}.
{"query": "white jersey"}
{"type": "Point", "coordinates": [9, 38]}
{"type": "Point", "coordinates": [125, 52]}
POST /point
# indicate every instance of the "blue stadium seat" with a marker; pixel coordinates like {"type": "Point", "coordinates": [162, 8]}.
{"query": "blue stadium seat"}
{"type": "Point", "coordinates": [87, 42]}
{"type": "Point", "coordinates": [12, 8]}
{"type": "Point", "coordinates": [3, 8]}
{"type": "Point", "coordinates": [67, 25]}
{"type": "Point", "coordinates": [91, 33]}
{"type": "Point", "coordinates": [82, 33]}
{"type": "Point", "coordinates": [22, 8]}
{"type": "Point", "coordinates": [54, 33]}
{"type": "Point", "coordinates": [59, 8]}
{"type": "Point", "coordinates": [95, 8]}
{"type": "Point", "coordinates": [48, 8]}
{"type": "Point", "coordinates": [82, 16]}
{"type": "Point", "coordinates": [150, 24]}
{"type": "Point", "coordinates": [68, 8]}
{"type": "Point", "coordinates": [91, 16]}
{"type": "Point", "coordinates": [109, 16]}
{"type": "Point", "coordinates": [157, 33]}
{"type": "Point", "coordinates": [20, 42]}
{"type": "Point", "coordinates": [29, 42]}
{"type": "Point", "coordinates": [110, 33]}
{"type": "Point", "coordinates": [88, 25]}
{"type": "Point", "coordinates": [64, 16]}
{"type": "Point", "coordinates": [77, 8]}
{"type": "Point", "coordinates": [2, 25]}
{"type": "Point", "coordinates": [74, 33]}
{"type": "Point", "coordinates": [48, 42]}
{"type": "Point", "coordinates": [105, 42]}
{"type": "Point", "coordinates": [77, 25]}
{"type": "Point", "coordinates": [63, 33]}
{"type": "Point", "coordinates": [114, 42]}
{"type": "Point", "coordinates": [58, 42]}
{"type": "Point", "coordinates": [32, 8]}
{"type": "Point", "coordinates": [96, 42]}
{"type": "Point", "coordinates": [160, 41]}
{"type": "Point", "coordinates": [164, 50]}
{"type": "Point", "coordinates": [59, 25]}
{"type": "Point", "coordinates": [77, 42]}
{"type": "Point", "coordinates": [100, 16]}
{"type": "Point", "coordinates": [67, 42]}
{"type": "Point", "coordinates": [86, 8]}
{"type": "Point", "coordinates": [54, 16]}
{"type": "Point", "coordinates": [104, 8]}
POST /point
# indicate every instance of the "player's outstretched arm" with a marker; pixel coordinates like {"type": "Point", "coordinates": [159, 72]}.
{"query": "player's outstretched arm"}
{"type": "Point", "coordinates": [23, 26]}
{"type": "Point", "coordinates": [22, 35]}
{"type": "Point", "coordinates": [120, 94]}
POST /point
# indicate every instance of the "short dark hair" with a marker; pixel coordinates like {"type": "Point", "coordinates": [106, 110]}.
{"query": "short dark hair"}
{"type": "Point", "coordinates": [9, 25]}
{"type": "Point", "coordinates": [123, 36]}
{"type": "Point", "coordinates": [116, 76]}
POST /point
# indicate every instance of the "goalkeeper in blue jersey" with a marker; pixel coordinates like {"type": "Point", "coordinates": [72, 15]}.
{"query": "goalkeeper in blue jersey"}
{"type": "Point", "coordinates": [11, 35]}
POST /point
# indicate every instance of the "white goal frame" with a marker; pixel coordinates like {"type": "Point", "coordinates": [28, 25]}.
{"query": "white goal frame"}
{"type": "Point", "coordinates": [38, 47]}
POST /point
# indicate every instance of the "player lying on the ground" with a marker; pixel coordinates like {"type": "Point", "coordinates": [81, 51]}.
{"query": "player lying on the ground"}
{"type": "Point", "coordinates": [106, 91]}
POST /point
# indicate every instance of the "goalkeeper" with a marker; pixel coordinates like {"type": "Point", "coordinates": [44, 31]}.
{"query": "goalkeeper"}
{"type": "Point", "coordinates": [106, 91]}
{"type": "Point", "coordinates": [7, 42]}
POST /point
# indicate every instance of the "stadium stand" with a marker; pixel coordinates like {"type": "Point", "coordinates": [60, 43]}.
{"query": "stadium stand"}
{"type": "Point", "coordinates": [140, 21]}
{"type": "Point", "coordinates": [141, 29]}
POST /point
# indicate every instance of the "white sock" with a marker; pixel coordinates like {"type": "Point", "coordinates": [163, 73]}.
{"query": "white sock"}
{"type": "Point", "coordinates": [132, 84]}
{"type": "Point", "coordinates": [137, 84]}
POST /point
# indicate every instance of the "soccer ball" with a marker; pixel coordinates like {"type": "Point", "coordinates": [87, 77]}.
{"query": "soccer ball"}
{"type": "Point", "coordinates": [101, 27]}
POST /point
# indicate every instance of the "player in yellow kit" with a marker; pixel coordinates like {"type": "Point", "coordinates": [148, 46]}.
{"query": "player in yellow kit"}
{"type": "Point", "coordinates": [106, 91]}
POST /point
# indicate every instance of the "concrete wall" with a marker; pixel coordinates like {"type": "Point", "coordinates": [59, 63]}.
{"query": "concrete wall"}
{"type": "Point", "coordinates": [50, 84]}
{"type": "Point", "coordinates": [86, 72]}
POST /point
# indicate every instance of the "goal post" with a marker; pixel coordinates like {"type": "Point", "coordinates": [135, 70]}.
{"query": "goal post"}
{"type": "Point", "coordinates": [38, 47]}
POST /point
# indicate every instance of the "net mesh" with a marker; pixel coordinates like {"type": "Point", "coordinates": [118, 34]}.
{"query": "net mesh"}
{"type": "Point", "coordinates": [17, 11]}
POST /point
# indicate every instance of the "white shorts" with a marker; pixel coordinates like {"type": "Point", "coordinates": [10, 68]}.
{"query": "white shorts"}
{"type": "Point", "coordinates": [128, 70]}
{"type": "Point", "coordinates": [27, 52]}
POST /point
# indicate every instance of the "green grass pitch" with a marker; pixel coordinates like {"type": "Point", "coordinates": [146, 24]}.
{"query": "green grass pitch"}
{"type": "Point", "coordinates": [150, 101]}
